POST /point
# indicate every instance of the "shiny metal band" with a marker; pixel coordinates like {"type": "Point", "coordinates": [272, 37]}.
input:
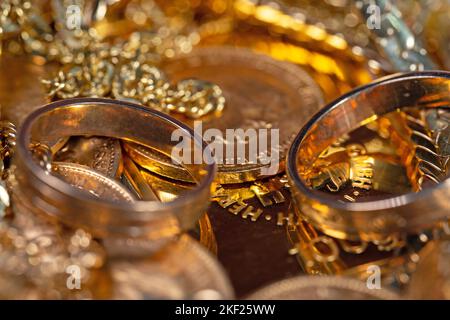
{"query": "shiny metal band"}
{"type": "Point", "coordinates": [151, 220]}
{"type": "Point", "coordinates": [373, 219]}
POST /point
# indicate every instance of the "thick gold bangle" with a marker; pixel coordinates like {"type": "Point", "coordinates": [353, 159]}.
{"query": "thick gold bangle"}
{"type": "Point", "coordinates": [149, 220]}
{"type": "Point", "coordinates": [369, 220]}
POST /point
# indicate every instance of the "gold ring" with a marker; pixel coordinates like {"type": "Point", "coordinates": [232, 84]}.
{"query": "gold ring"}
{"type": "Point", "coordinates": [369, 220]}
{"type": "Point", "coordinates": [150, 220]}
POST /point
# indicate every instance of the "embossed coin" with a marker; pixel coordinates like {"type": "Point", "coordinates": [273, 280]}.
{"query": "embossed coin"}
{"type": "Point", "coordinates": [321, 288]}
{"type": "Point", "coordinates": [95, 183]}
{"type": "Point", "coordinates": [99, 153]}
{"type": "Point", "coordinates": [163, 190]}
{"type": "Point", "coordinates": [162, 276]}
{"type": "Point", "coordinates": [260, 93]}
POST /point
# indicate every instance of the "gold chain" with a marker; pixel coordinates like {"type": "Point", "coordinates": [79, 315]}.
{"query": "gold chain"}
{"type": "Point", "coordinates": [121, 70]}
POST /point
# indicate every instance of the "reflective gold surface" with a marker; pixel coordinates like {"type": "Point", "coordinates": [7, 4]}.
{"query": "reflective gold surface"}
{"type": "Point", "coordinates": [157, 162]}
{"type": "Point", "coordinates": [99, 153]}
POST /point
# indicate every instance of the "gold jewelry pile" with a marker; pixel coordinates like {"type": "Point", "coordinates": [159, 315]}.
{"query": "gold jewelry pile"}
{"type": "Point", "coordinates": [124, 128]}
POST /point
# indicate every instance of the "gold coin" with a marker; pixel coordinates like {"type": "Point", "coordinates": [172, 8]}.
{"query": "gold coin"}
{"type": "Point", "coordinates": [168, 191]}
{"type": "Point", "coordinates": [133, 179]}
{"type": "Point", "coordinates": [182, 270]}
{"type": "Point", "coordinates": [99, 153]}
{"type": "Point", "coordinates": [260, 93]}
{"type": "Point", "coordinates": [157, 162]}
{"type": "Point", "coordinates": [96, 184]}
{"type": "Point", "coordinates": [321, 288]}
{"type": "Point", "coordinates": [152, 187]}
